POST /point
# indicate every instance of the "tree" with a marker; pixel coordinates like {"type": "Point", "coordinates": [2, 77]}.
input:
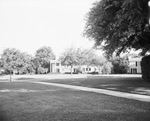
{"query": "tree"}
{"type": "Point", "coordinates": [80, 56]}
{"type": "Point", "coordinates": [27, 66]}
{"type": "Point", "coordinates": [89, 57]}
{"type": "Point", "coordinates": [120, 65]}
{"type": "Point", "coordinates": [69, 57]}
{"type": "Point", "coordinates": [43, 56]}
{"type": "Point", "coordinates": [119, 25]}
{"type": "Point", "coordinates": [85, 57]}
{"type": "Point", "coordinates": [11, 60]}
{"type": "Point", "coordinates": [107, 68]}
{"type": "Point", "coordinates": [145, 67]}
{"type": "Point", "coordinates": [99, 62]}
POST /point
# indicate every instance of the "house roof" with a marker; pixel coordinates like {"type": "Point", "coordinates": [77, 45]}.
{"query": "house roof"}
{"type": "Point", "coordinates": [54, 61]}
{"type": "Point", "coordinates": [135, 59]}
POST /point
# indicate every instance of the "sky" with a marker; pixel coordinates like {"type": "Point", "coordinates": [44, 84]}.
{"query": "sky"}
{"type": "Point", "coordinates": [28, 25]}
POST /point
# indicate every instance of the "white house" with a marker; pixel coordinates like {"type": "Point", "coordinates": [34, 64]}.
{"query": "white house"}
{"type": "Point", "coordinates": [135, 65]}
{"type": "Point", "coordinates": [76, 69]}
{"type": "Point", "coordinates": [56, 67]}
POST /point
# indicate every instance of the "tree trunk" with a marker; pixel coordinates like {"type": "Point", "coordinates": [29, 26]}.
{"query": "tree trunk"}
{"type": "Point", "coordinates": [10, 76]}
{"type": "Point", "coordinates": [88, 69]}
{"type": "Point", "coordinates": [71, 69]}
{"type": "Point", "coordinates": [145, 68]}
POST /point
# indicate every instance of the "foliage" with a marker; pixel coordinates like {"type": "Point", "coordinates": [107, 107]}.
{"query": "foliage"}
{"type": "Point", "coordinates": [120, 65]}
{"type": "Point", "coordinates": [78, 57]}
{"type": "Point", "coordinates": [89, 56]}
{"type": "Point", "coordinates": [42, 70]}
{"type": "Point", "coordinates": [11, 59]}
{"type": "Point", "coordinates": [85, 57]}
{"type": "Point", "coordinates": [15, 61]}
{"type": "Point", "coordinates": [28, 66]}
{"type": "Point", "coordinates": [81, 56]}
{"type": "Point", "coordinates": [43, 56]}
{"type": "Point", "coordinates": [99, 62]}
{"type": "Point", "coordinates": [69, 57]}
{"type": "Point", "coordinates": [119, 25]}
{"type": "Point", "coordinates": [107, 68]}
{"type": "Point", "coordinates": [145, 67]}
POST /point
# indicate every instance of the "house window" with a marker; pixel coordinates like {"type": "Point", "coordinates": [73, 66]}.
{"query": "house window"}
{"type": "Point", "coordinates": [58, 70]}
{"type": "Point", "coordinates": [86, 69]}
{"type": "Point", "coordinates": [89, 69]}
{"type": "Point", "coordinates": [136, 63]}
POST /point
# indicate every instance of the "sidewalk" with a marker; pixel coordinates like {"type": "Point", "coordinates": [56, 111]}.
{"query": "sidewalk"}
{"type": "Point", "coordinates": [138, 97]}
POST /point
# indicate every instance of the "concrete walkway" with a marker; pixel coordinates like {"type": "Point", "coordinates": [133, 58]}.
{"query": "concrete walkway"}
{"type": "Point", "coordinates": [138, 97]}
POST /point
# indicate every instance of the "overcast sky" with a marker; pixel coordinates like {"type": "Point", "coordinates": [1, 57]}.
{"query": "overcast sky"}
{"type": "Point", "coordinates": [28, 25]}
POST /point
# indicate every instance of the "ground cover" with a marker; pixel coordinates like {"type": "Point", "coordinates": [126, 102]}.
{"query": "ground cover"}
{"type": "Point", "coordinates": [34, 102]}
{"type": "Point", "coordinates": [124, 84]}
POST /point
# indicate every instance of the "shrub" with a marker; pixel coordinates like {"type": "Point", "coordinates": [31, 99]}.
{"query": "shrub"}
{"type": "Point", "coordinates": [41, 70]}
{"type": "Point", "coordinates": [119, 68]}
{"type": "Point", "coordinates": [120, 65]}
{"type": "Point", "coordinates": [106, 69]}
{"type": "Point", "coordinates": [145, 67]}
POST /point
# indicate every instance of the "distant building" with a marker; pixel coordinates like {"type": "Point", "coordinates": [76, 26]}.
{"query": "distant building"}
{"type": "Point", "coordinates": [76, 69]}
{"type": "Point", "coordinates": [135, 65]}
{"type": "Point", "coordinates": [55, 66]}
{"type": "Point", "coordinates": [89, 69]}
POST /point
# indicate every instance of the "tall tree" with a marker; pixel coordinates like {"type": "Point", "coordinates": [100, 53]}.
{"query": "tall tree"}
{"type": "Point", "coordinates": [99, 62]}
{"type": "Point", "coordinates": [27, 66]}
{"type": "Point", "coordinates": [43, 56]}
{"type": "Point", "coordinates": [11, 60]}
{"type": "Point", "coordinates": [119, 25]}
{"type": "Point", "coordinates": [85, 56]}
{"type": "Point", "coordinates": [69, 57]}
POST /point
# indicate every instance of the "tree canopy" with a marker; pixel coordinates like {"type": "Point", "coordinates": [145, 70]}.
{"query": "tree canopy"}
{"type": "Point", "coordinates": [45, 54]}
{"type": "Point", "coordinates": [69, 57]}
{"type": "Point", "coordinates": [11, 59]}
{"type": "Point", "coordinates": [119, 25]}
{"type": "Point", "coordinates": [42, 59]}
{"type": "Point", "coordinates": [77, 56]}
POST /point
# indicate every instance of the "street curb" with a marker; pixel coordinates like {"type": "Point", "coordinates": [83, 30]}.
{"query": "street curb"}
{"type": "Point", "coordinates": [142, 98]}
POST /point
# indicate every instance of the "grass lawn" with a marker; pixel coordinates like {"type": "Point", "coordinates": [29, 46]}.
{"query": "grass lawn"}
{"type": "Point", "coordinates": [22, 101]}
{"type": "Point", "coordinates": [124, 84]}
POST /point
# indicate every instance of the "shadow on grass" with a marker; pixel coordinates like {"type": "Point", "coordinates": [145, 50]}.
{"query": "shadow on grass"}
{"type": "Point", "coordinates": [3, 116]}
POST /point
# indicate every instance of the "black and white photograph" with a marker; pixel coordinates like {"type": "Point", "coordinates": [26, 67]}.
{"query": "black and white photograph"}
{"type": "Point", "coordinates": [74, 60]}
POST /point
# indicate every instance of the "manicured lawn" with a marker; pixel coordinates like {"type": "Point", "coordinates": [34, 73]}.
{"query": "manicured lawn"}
{"type": "Point", "coordinates": [124, 84]}
{"type": "Point", "coordinates": [22, 101]}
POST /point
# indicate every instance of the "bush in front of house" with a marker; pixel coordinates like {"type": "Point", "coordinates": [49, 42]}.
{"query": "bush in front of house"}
{"type": "Point", "coordinates": [145, 67]}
